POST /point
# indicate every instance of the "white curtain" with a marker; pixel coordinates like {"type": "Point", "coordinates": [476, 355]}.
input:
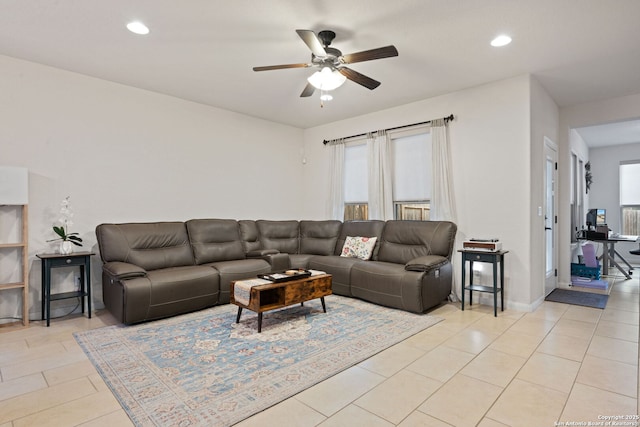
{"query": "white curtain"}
{"type": "Point", "coordinates": [442, 200]}
{"type": "Point", "coordinates": [336, 192]}
{"type": "Point", "coordinates": [380, 176]}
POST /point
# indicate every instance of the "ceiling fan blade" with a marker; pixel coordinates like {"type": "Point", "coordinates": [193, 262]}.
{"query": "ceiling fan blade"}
{"type": "Point", "coordinates": [311, 40]}
{"type": "Point", "coordinates": [308, 90]}
{"type": "Point", "coordinates": [368, 55]}
{"type": "Point", "coordinates": [361, 79]}
{"type": "Point", "coordinates": [281, 67]}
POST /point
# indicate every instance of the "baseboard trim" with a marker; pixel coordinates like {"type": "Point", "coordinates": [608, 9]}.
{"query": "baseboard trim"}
{"type": "Point", "coordinates": [487, 299]}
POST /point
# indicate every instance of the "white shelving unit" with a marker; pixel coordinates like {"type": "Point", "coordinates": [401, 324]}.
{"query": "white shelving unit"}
{"type": "Point", "coordinates": [19, 245]}
{"type": "Point", "coordinates": [14, 238]}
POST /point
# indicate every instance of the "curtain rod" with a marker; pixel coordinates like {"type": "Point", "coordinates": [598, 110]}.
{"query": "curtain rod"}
{"type": "Point", "coordinates": [446, 119]}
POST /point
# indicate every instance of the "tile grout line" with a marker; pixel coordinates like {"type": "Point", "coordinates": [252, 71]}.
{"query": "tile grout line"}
{"type": "Point", "coordinates": [461, 368]}
{"type": "Point", "coordinates": [534, 352]}
{"type": "Point", "coordinates": [616, 279]}
{"type": "Point", "coordinates": [485, 415]}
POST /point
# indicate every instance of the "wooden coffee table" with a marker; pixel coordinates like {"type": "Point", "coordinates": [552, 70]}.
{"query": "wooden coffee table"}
{"type": "Point", "coordinates": [271, 296]}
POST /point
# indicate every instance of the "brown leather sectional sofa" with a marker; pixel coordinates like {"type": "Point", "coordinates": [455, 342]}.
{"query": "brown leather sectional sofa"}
{"type": "Point", "coordinates": [155, 270]}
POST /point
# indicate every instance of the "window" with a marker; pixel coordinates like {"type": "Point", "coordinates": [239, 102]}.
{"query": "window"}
{"type": "Point", "coordinates": [412, 211]}
{"type": "Point", "coordinates": [356, 211]}
{"type": "Point", "coordinates": [411, 181]}
{"type": "Point", "coordinates": [356, 188]}
{"type": "Point", "coordinates": [412, 176]}
{"type": "Point", "coordinates": [630, 197]}
{"type": "Point", "coordinates": [631, 220]}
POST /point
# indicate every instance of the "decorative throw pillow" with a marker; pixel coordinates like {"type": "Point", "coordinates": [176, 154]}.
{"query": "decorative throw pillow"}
{"type": "Point", "coordinates": [358, 247]}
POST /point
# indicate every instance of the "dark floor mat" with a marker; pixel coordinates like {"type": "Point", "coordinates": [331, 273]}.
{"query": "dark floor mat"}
{"type": "Point", "coordinates": [586, 299]}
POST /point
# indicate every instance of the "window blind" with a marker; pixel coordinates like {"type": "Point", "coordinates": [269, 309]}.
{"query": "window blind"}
{"type": "Point", "coordinates": [356, 188]}
{"type": "Point", "coordinates": [412, 161]}
{"type": "Point", "coordinates": [629, 179]}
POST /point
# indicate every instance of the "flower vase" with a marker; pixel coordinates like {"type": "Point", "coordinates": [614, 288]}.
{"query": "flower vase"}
{"type": "Point", "coordinates": [66, 247]}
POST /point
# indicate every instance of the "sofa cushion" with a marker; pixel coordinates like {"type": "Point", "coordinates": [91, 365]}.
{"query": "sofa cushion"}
{"type": "Point", "coordinates": [168, 292]}
{"type": "Point", "coordinates": [339, 267]}
{"type": "Point", "coordinates": [147, 245]}
{"type": "Point", "coordinates": [387, 284]}
{"type": "Point", "coordinates": [250, 235]}
{"type": "Point", "coordinates": [371, 228]}
{"type": "Point", "coordinates": [300, 260]}
{"type": "Point", "coordinates": [215, 240]}
{"type": "Point", "coordinates": [359, 247]}
{"type": "Point", "coordinates": [403, 241]}
{"type": "Point", "coordinates": [280, 235]}
{"type": "Point", "coordinates": [237, 270]}
{"type": "Point", "coordinates": [319, 237]}
{"type": "Point", "coordinates": [181, 283]}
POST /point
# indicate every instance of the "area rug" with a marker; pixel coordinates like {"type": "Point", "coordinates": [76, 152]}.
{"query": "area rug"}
{"type": "Point", "coordinates": [587, 299]}
{"type": "Point", "coordinates": [203, 369]}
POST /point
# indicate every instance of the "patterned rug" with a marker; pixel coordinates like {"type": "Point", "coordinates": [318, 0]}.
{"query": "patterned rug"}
{"type": "Point", "coordinates": [203, 369]}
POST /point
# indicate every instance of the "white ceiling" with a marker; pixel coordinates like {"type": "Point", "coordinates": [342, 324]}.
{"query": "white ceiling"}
{"type": "Point", "coordinates": [627, 132]}
{"type": "Point", "coordinates": [203, 50]}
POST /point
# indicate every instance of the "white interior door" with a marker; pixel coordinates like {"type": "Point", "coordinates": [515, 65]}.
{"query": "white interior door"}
{"type": "Point", "coordinates": [550, 215]}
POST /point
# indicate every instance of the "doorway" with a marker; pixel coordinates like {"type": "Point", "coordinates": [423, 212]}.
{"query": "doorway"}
{"type": "Point", "coordinates": [550, 210]}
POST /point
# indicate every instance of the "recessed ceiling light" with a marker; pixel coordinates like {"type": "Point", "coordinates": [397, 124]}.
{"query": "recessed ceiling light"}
{"type": "Point", "coordinates": [501, 40]}
{"type": "Point", "coordinates": [137, 27]}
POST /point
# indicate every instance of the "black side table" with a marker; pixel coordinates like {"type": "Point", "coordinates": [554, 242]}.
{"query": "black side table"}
{"type": "Point", "coordinates": [49, 261]}
{"type": "Point", "coordinates": [493, 258]}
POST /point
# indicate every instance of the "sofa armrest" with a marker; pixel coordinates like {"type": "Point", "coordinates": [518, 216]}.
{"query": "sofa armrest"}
{"type": "Point", "coordinates": [123, 270]}
{"type": "Point", "coordinates": [426, 263]}
{"type": "Point", "coordinates": [259, 253]}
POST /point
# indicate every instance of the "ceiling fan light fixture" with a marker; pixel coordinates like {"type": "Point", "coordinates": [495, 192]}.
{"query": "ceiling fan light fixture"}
{"type": "Point", "coordinates": [501, 40]}
{"type": "Point", "coordinates": [327, 79]}
{"type": "Point", "coordinates": [326, 96]}
{"type": "Point", "coordinates": [138, 27]}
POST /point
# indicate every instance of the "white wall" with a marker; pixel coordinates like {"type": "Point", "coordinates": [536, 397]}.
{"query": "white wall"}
{"type": "Point", "coordinates": [578, 146]}
{"type": "Point", "coordinates": [490, 142]}
{"type": "Point", "coordinates": [592, 113]}
{"type": "Point", "coordinates": [544, 124]}
{"type": "Point", "coordinates": [125, 154]}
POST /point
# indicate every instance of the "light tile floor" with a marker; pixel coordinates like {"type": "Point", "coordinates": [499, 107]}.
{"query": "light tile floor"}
{"type": "Point", "coordinates": [559, 363]}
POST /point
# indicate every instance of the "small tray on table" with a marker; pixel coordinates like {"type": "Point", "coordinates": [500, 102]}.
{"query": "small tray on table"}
{"type": "Point", "coordinates": [285, 276]}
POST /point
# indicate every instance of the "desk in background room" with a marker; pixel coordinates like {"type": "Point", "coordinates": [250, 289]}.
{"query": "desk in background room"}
{"type": "Point", "coordinates": [609, 252]}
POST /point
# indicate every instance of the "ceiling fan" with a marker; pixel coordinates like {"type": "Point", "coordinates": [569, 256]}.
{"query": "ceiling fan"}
{"type": "Point", "coordinates": [332, 62]}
